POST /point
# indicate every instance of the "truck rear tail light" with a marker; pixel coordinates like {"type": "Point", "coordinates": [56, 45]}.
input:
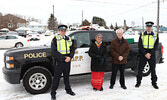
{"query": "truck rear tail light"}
{"type": "Point", "coordinates": [37, 35]}
{"type": "Point", "coordinates": [29, 35]}
{"type": "Point", "coordinates": [162, 49]}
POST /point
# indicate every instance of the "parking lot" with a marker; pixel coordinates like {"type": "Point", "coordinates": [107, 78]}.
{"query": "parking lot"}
{"type": "Point", "coordinates": [81, 85]}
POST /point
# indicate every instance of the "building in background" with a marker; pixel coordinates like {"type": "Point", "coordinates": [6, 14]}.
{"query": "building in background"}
{"type": "Point", "coordinates": [11, 22]}
{"type": "Point", "coordinates": [163, 29]}
{"type": "Point", "coordinates": [37, 27]}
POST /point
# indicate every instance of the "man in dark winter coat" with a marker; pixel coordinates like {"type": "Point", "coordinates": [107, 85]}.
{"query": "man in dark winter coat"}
{"type": "Point", "coordinates": [119, 51]}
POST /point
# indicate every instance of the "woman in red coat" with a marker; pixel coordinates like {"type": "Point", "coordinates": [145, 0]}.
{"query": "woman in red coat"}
{"type": "Point", "coordinates": [96, 52]}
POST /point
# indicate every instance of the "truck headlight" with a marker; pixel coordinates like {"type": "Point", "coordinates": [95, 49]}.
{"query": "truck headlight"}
{"type": "Point", "coordinates": [9, 65]}
{"type": "Point", "coordinates": [9, 58]}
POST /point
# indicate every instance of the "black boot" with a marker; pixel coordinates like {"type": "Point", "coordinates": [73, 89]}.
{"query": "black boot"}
{"type": "Point", "coordinates": [52, 98]}
{"type": "Point", "coordinates": [124, 87]}
{"type": "Point", "coordinates": [137, 85]}
{"type": "Point", "coordinates": [101, 89]}
{"type": "Point", "coordinates": [155, 86]}
{"type": "Point", "coordinates": [111, 86]}
{"type": "Point", "coordinates": [94, 89]}
{"type": "Point", "coordinates": [53, 95]}
{"type": "Point", "coordinates": [70, 92]}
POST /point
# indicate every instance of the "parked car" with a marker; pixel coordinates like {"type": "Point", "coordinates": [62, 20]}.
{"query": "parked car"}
{"type": "Point", "coordinates": [22, 33]}
{"type": "Point", "coordinates": [33, 36]}
{"type": "Point", "coordinates": [3, 32]}
{"type": "Point", "coordinates": [48, 33]}
{"type": "Point", "coordinates": [12, 33]}
{"type": "Point", "coordinates": [35, 65]}
{"type": "Point", "coordinates": [10, 41]}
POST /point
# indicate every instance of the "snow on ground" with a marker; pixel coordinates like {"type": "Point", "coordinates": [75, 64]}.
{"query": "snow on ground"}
{"type": "Point", "coordinates": [81, 85]}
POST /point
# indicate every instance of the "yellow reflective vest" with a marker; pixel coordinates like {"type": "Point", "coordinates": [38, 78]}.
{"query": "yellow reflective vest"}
{"type": "Point", "coordinates": [63, 46]}
{"type": "Point", "coordinates": [148, 40]}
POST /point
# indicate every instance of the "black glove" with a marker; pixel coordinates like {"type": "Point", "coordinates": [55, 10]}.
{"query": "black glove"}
{"type": "Point", "coordinates": [99, 57]}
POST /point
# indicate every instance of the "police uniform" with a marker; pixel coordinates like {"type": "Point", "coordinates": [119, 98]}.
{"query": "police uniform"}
{"type": "Point", "coordinates": [148, 43]}
{"type": "Point", "coordinates": [61, 47]}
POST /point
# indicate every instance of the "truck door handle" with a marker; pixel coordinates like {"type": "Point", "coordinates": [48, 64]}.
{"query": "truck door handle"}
{"type": "Point", "coordinates": [86, 51]}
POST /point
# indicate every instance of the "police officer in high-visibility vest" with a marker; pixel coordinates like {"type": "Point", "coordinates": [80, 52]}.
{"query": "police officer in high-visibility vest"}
{"type": "Point", "coordinates": [148, 43]}
{"type": "Point", "coordinates": [62, 51]}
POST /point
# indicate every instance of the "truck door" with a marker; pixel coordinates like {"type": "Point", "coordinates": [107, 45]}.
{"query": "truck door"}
{"type": "Point", "coordinates": [81, 61]}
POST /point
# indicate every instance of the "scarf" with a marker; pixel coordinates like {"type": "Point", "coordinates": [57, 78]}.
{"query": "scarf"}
{"type": "Point", "coordinates": [98, 44]}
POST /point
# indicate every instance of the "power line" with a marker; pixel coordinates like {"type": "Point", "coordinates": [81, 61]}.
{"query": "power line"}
{"type": "Point", "coordinates": [104, 2]}
{"type": "Point", "coordinates": [136, 8]}
{"type": "Point", "coordinates": [146, 5]}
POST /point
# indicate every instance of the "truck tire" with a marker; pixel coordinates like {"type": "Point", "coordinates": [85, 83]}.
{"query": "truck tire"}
{"type": "Point", "coordinates": [37, 80]}
{"type": "Point", "coordinates": [19, 45]}
{"type": "Point", "coordinates": [146, 70]}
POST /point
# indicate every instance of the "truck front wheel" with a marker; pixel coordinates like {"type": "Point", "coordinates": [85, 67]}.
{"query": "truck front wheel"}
{"type": "Point", "coordinates": [37, 80]}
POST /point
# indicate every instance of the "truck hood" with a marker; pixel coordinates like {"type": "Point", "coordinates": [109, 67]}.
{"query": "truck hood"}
{"type": "Point", "coordinates": [26, 49]}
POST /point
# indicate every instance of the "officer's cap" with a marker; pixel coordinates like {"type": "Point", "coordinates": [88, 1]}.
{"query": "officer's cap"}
{"type": "Point", "coordinates": [149, 24]}
{"type": "Point", "coordinates": [62, 27]}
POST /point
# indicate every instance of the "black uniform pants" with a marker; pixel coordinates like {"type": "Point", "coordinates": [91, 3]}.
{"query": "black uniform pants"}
{"type": "Point", "coordinates": [142, 62]}
{"type": "Point", "coordinates": [61, 68]}
{"type": "Point", "coordinates": [115, 68]}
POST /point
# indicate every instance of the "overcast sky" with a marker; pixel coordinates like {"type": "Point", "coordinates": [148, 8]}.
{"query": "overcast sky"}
{"type": "Point", "coordinates": [70, 11]}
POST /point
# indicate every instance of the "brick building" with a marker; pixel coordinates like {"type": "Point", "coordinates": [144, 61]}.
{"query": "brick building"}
{"type": "Point", "coordinates": [11, 22]}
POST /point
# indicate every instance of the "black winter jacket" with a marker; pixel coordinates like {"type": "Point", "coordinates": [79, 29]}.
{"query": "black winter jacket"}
{"type": "Point", "coordinates": [97, 57]}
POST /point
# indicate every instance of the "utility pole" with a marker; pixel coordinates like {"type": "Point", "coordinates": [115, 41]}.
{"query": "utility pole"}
{"type": "Point", "coordinates": [125, 25]}
{"type": "Point", "coordinates": [82, 18]}
{"type": "Point", "coordinates": [143, 23]}
{"type": "Point", "coordinates": [53, 26]}
{"type": "Point", "coordinates": [158, 11]}
{"type": "Point", "coordinates": [53, 11]}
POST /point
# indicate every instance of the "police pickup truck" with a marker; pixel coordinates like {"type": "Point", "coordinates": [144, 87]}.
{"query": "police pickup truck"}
{"type": "Point", "coordinates": [34, 65]}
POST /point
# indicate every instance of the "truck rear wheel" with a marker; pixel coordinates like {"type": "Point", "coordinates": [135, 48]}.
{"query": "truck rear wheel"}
{"type": "Point", "coordinates": [146, 70]}
{"type": "Point", "coordinates": [37, 80]}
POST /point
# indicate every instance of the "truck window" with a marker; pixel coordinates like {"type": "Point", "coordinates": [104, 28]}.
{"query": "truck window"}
{"type": "Point", "coordinates": [83, 39]}
{"type": "Point", "coordinates": [107, 36]}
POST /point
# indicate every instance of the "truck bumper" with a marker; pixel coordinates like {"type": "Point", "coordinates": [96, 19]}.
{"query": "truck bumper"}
{"type": "Point", "coordinates": [11, 76]}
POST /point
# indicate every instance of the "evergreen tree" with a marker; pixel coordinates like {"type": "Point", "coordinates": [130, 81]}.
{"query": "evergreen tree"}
{"type": "Point", "coordinates": [86, 23]}
{"type": "Point", "coordinates": [99, 21]}
{"type": "Point", "coordinates": [52, 23]}
{"type": "Point", "coordinates": [116, 26]}
{"type": "Point", "coordinates": [111, 27]}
